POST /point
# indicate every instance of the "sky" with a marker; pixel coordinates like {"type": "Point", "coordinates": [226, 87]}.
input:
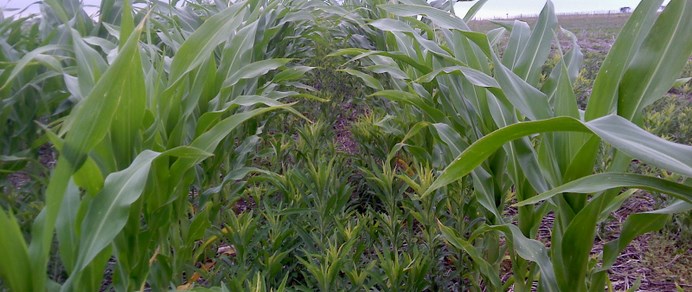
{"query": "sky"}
{"type": "Point", "coordinates": [492, 9]}
{"type": "Point", "coordinates": [513, 8]}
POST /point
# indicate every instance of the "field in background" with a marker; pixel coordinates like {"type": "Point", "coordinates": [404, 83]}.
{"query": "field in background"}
{"type": "Point", "coordinates": [576, 23]}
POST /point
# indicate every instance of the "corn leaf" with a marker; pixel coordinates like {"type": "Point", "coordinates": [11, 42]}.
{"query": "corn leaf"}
{"type": "Point", "coordinates": [532, 250]}
{"type": "Point", "coordinates": [14, 269]}
{"type": "Point", "coordinates": [473, 10]}
{"type": "Point", "coordinates": [638, 224]}
{"type": "Point", "coordinates": [604, 181]}
{"type": "Point", "coordinates": [658, 62]}
{"type": "Point", "coordinates": [459, 243]}
{"type": "Point", "coordinates": [88, 124]}
{"type": "Point", "coordinates": [107, 214]}
{"type": "Point", "coordinates": [615, 130]}
{"type": "Point", "coordinates": [203, 41]}
{"type": "Point", "coordinates": [605, 89]}
{"type": "Point", "coordinates": [534, 55]}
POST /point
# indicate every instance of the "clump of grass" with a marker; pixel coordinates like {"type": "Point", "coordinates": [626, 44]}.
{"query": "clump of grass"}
{"type": "Point", "coordinates": [668, 260]}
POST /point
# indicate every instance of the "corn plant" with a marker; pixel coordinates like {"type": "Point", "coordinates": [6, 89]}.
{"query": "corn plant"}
{"type": "Point", "coordinates": [149, 109]}
{"type": "Point", "coordinates": [543, 147]}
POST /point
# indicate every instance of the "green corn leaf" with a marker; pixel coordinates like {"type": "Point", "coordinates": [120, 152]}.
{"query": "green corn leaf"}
{"type": "Point", "coordinates": [397, 27]}
{"type": "Point", "coordinates": [89, 176]}
{"type": "Point", "coordinates": [127, 23]}
{"type": "Point", "coordinates": [441, 18]}
{"type": "Point", "coordinates": [527, 99]}
{"type": "Point", "coordinates": [255, 69]}
{"type": "Point", "coordinates": [90, 64]}
{"type": "Point", "coordinates": [232, 176]}
{"type": "Point", "coordinates": [422, 67]}
{"type": "Point", "coordinates": [474, 76]}
{"type": "Point", "coordinates": [88, 124]}
{"type": "Point", "coordinates": [209, 140]}
{"type": "Point", "coordinates": [518, 39]}
{"type": "Point", "coordinates": [392, 25]}
{"type": "Point", "coordinates": [615, 130]}
{"type": "Point", "coordinates": [531, 250]}
{"type": "Point", "coordinates": [126, 127]}
{"type": "Point", "coordinates": [108, 212]}
{"type": "Point", "coordinates": [604, 181]}
{"type": "Point", "coordinates": [65, 229]}
{"type": "Point", "coordinates": [642, 145]}
{"type": "Point", "coordinates": [604, 95]}
{"type": "Point", "coordinates": [571, 252]}
{"type": "Point", "coordinates": [370, 81]}
{"type": "Point", "coordinates": [393, 71]}
{"type": "Point", "coordinates": [89, 121]}
{"type": "Point", "coordinates": [58, 9]}
{"type": "Point", "coordinates": [473, 10]}
{"type": "Point", "coordinates": [496, 35]}
{"type": "Point", "coordinates": [458, 242]}
{"type": "Point", "coordinates": [14, 268]}
{"type": "Point", "coordinates": [658, 62]}
{"type": "Point", "coordinates": [410, 98]}
{"type": "Point", "coordinates": [638, 224]}
{"type": "Point", "coordinates": [290, 74]}
{"type": "Point", "coordinates": [27, 59]}
{"type": "Point", "coordinates": [238, 51]}
{"type": "Point", "coordinates": [203, 41]}
{"type": "Point", "coordinates": [680, 82]}
{"type": "Point", "coordinates": [450, 137]}
{"type": "Point", "coordinates": [485, 191]}
{"type": "Point", "coordinates": [535, 53]}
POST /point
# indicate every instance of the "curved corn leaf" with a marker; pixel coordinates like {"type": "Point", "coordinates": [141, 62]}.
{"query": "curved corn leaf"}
{"type": "Point", "coordinates": [90, 64]}
{"type": "Point", "coordinates": [255, 69]}
{"type": "Point", "coordinates": [530, 101]}
{"type": "Point", "coordinates": [572, 249]}
{"type": "Point", "coordinates": [15, 268]}
{"type": "Point", "coordinates": [615, 130]}
{"type": "Point", "coordinates": [473, 10]}
{"type": "Point", "coordinates": [535, 53]}
{"type": "Point", "coordinates": [605, 181]}
{"type": "Point", "coordinates": [203, 41]}
{"type": "Point", "coordinates": [604, 94]}
{"type": "Point", "coordinates": [360, 53]}
{"type": "Point", "coordinates": [108, 213]}
{"type": "Point", "coordinates": [531, 250]}
{"type": "Point", "coordinates": [370, 81]}
{"type": "Point", "coordinates": [474, 76]}
{"type": "Point", "coordinates": [290, 74]}
{"type": "Point", "coordinates": [642, 145]}
{"type": "Point", "coordinates": [442, 19]}
{"type": "Point", "coordinates": [459, 243]}
{"type": "Point", "coordinates": [64, 227]}
{"type": "Point", "coordinates": [638, 224]}
{"type": "Point", "coordinates": [635, 225]}
{"type": "Point", "coordinates": [518, 39]}
{"type": "Point", "coordinates": [87, 124]}
{"type": "Point", "coordinates": [27, 59]}
{"type": "Point", "coordinates": [410, 98]}
{"type": "Point", "coordinates": [658, 62]}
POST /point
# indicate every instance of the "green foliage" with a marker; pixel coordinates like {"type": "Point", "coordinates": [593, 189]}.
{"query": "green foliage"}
{"type": "Point", "coordinates": [315, 145]}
